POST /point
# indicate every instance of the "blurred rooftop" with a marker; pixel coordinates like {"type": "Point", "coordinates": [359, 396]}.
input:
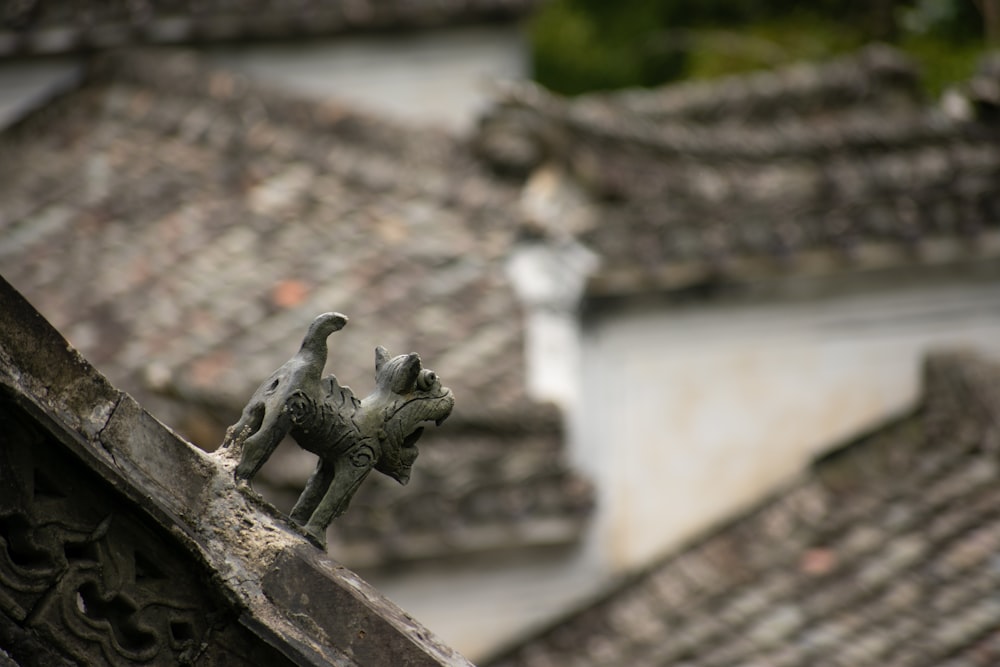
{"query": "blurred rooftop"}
{"type": "Point", "coordinates": [46, 27]}
{"type": "Point", "coordinates": [884, 552]}
{"type": "Point", "coordinates": [813, 168]}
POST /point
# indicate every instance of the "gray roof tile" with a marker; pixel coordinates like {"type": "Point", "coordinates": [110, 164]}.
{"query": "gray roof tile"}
{"type": "Point", "coordinates": [886, 555]}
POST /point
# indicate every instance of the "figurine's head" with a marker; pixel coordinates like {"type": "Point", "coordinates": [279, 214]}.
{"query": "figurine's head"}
{"type": "Point", "coordinates": [411, 396]}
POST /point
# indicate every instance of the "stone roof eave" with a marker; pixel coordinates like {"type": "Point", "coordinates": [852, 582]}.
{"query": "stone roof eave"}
{"type": "Point", "coordinates": [261, 564]}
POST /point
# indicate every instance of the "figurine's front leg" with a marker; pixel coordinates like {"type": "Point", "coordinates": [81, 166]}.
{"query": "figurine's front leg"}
{"type": "Point", "coordinates": [315, 489]}
{"type": "Point", "coordinates": [350, 471]}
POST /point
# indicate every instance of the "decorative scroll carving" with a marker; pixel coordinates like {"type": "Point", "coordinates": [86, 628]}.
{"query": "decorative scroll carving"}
{"type": "Point", "coordinates": [351, 437]}
{"type": "Point", "coordinates": [82, 569]}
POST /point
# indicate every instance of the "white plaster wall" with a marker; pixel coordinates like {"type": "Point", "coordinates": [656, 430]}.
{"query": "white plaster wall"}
{"type": "Point", "coordinates": [690, 413]}
{"type": "Point", "coordinates": [481, 604]}
{"type": "Point", "coordinates": [434, 76]}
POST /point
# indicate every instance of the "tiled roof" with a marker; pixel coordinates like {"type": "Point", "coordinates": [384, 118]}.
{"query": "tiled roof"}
{"type": "Point", "coordinates": [839, 163]}
{"type": "Point", "coordinates": [884, 553]}
{"type": "Point", "coordinates": [183, 227]}
{"type": "Point", "coordinates": [51, 26]}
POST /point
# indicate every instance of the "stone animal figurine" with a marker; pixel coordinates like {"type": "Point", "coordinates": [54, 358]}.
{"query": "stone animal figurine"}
{"type": "Point", "coordinates": [350, 436]}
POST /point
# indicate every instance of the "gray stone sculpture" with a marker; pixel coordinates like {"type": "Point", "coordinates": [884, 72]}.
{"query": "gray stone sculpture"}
{"type": "Point", "coordinates": [350, 436]}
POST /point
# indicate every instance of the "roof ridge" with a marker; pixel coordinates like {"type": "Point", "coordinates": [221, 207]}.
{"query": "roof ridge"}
{"type": "Point", "coordinates": [66, 27]}
{"type": "Point", "coordinates": [789, 136]}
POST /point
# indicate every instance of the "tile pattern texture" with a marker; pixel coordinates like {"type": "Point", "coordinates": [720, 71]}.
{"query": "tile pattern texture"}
{"type": "Point", "coordinates": [886, 553]}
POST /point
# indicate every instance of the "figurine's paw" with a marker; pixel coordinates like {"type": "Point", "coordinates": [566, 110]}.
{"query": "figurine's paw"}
{"type": "Point", "coordinates": [243, 472]}
{"type": "Point", "coordinates": [316, 535]}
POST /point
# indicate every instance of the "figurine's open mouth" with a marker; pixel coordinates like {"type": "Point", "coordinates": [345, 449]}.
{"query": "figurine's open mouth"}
{"type": "Point", "coordinates": [427, 409]}
{"type": "Point", "coordinates": [404, 427]}
{"type": "Point", "coordinates": [411, 439]}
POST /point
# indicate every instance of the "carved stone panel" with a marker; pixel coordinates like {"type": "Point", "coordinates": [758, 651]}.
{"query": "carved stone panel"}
{"type": "Point", "coordinates": [84, 574]}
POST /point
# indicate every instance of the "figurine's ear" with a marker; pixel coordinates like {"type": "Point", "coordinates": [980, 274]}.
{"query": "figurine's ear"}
{"type": "Point", "coordinates": [407, 374]}
{"type": "Point", "coordinates": [381, 356]}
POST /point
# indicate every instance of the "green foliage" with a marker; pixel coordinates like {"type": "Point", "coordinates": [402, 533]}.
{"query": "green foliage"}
{"type": "Point", "coordinates": [767, 44]}
{"type": "Point", "coordinates": [942, 63]}
{"type": "Point", "coordinates": [583, 45]}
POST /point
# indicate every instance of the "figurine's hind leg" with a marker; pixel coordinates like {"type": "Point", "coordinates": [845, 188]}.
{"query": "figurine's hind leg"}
{"type": "Point", "coordinates": [249, 423]}
{"type": "Point", "coordinates": [350, 472]}
{"type": "Point", "coordinates": [316, 487]}
{"type": "Point", "coordinates": [259, 446]}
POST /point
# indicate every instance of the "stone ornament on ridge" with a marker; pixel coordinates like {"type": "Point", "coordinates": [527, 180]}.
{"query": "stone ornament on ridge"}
{"type": "Point", "coordinates": [350, 436]}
